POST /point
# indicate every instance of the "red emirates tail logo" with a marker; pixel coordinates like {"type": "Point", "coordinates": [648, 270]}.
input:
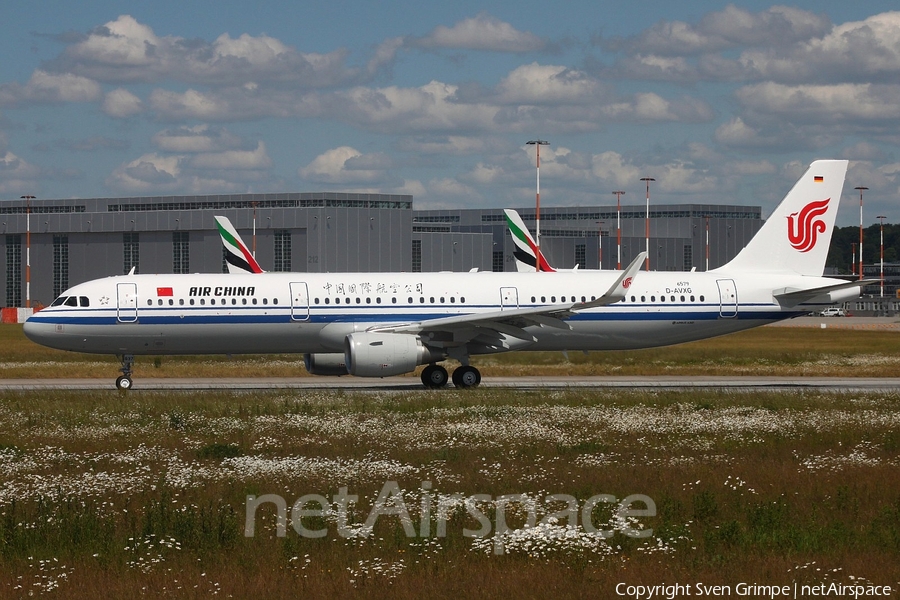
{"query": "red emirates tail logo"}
{"type": "Point", "coordinates": [805, 226]}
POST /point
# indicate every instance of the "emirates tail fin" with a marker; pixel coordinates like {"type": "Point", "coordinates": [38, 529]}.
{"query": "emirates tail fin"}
{"type": "Point", "coordinates": [528, 256]}
{"type": "Point", "coordinates": [238, 257]}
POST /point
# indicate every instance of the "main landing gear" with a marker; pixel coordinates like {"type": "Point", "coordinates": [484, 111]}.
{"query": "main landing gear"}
{"type": "Point", "coordinates": [464, 377]}
{"type": "Point", "coordinates": [124, 382]}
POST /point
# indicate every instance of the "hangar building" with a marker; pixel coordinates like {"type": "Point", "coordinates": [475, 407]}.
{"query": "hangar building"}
{"type": "Point", "coordinates": [70, 241]}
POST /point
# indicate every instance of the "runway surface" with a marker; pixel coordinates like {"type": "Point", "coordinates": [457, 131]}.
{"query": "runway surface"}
{"type": "Point", "coordinates": [352, 384]}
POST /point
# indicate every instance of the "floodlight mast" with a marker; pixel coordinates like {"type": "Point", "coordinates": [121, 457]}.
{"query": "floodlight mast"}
{"type": "Point", "coordinates": [881, 276]}
{"type": "Point", "coordinates": [861, 188]}
{"type": "Point", "coordinates": [647, 222]}
{"type": "Point", "coordinates": [28, 200]}
{"type": "Point", "coordinates": [537, 209]}
{"type": "Point", "coordinates": [619, 194]}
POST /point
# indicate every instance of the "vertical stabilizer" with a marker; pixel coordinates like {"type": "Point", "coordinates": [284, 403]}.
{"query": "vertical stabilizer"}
{"type": "Point", "coordinates": [528, 256]}
{"type": "Point", "coordinates": [238, 257]}
{"type": "Point", "coordinates": [797, 235]}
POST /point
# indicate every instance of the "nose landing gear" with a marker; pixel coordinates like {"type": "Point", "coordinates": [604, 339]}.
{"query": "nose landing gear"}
{"type": "Point", "coordinates": [124, 381]}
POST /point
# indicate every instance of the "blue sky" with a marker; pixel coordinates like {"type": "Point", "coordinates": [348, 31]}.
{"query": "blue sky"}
{"type": "Point", "coordinates": [720, 103]}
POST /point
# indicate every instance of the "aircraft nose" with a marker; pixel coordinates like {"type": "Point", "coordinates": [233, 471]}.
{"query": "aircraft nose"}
{"type": "Point", "coordinates": [39, 332]}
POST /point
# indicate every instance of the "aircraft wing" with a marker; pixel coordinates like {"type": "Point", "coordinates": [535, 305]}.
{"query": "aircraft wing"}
{"type": "Point", "coordinates": [793, 297]}
{"type": "Point", "coordinates": [513, 322]}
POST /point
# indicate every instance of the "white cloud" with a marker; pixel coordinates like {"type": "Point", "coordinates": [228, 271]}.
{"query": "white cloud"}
{"type": "Point", "coordinates": [482, 32]}
{"type": "Point", "coordinates": [189, 105]}
{"type": "Point", "coordinates": [151, 173]}
{"type": "Point", "coordinates": [44, 87]}
{"type": "Point", "coordinates": [120, 104]}
{"type": "Point", "coordinates": [751, 167]}
{"type": "Point", "coordinates": [657, 68]}
{"type": "Point", "coordinates": [344, 165]}
{"type": "Point", "coordinates": [652, 107]}
{"type": "Point", "coordinates": [452, 145]}
{"type": "Point", "coordinates": [732, 27]}
{"type": "Point", "coordinates": [829, 104]}
{"type": "Point", "coordinates": [193, 157]}
{"type": "Point", "coordinates": [125, 50]}
{"type": "Point", "coordinates": [14, 170]}
{"type": "Point", "coordinates": [548, 84]}
{"type": "Point", "coordinates": [234, 159]}
{"type": "Point", "coordinates": [864, 151]}
{"type": "Point", "coordinates": [200, 138]}
{"type": "Point", "coordinates": [613, 168]}
{"type": "Point", "coordinates": [384, 54]}
{"type": "Point", "coordinates": [120, 43]}
{"type": "Point", "coordinates": [856, 51]}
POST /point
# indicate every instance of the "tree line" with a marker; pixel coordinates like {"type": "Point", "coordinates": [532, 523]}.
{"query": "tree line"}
{"type": "Point", "coordinates": [840, 255]}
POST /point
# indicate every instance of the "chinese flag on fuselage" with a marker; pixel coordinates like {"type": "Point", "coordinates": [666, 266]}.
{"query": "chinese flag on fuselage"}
{"type": "Point", "coordinates": [164, 291]}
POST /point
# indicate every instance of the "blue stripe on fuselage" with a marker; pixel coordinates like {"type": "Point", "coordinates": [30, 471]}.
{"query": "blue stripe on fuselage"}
{"type": "Point", "coordinates": [185, 315]}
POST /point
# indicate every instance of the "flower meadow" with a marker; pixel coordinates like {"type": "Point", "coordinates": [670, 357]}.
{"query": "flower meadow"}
{"type": "Point", "coordinates": [764, 351]}
{"type": "Point", "coordinates": [454, 494]}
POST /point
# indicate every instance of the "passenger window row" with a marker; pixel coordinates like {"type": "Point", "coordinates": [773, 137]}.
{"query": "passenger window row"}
{"type": "Point", "coordinates": [212, 301]}
{"type": "Point", "coordinates": [394, 300]}
{"type": "Point", "coordinates": [671, 298]}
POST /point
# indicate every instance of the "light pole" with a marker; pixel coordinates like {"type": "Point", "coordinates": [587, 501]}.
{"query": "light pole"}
{"type": "Point", "coordinates": [882, 218]}
{"type": "Point", "coordinates": [600, 245]}
{"type": "Point", "coordinates": [647, 222]}
{"type": "Point", "coordinates": [618, 194]}
{"type": "Point", "coordinates": [28, 200]}
{"type": "Point", "coordinates": [707, 242]}
{"type": "Point", "coordinates": [860, 188]}
{"type": "Point", "coordinates": [853, 258]}
{"type": "Point", "coordinates": [254, 203]}
{"type": "Point", "coordinates": [537, 207]}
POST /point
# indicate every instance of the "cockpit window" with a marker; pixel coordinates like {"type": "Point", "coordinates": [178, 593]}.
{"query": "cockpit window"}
{"type": "Point", "coordinates": [83, 301]}
{"type": "Point", "coordinates": [72, 301]}
{"type": "Point", "coordinates": [59, 300]}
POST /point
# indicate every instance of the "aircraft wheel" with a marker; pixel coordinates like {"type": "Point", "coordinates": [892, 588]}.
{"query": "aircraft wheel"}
{"type": "Point", "coordinates": [123, 382]}
{"type": "Point", "coordinates": [434, 376]}
{"type": "Point", "coordinates": [466, 377]}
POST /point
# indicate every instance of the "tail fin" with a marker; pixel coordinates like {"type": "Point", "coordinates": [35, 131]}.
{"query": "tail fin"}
{"type": "Point", "coordinates": [237, 256]}
{"type": "Point", "coordinates": [528, 257]}
{"type": "Point", "coordinates": [797, 235]}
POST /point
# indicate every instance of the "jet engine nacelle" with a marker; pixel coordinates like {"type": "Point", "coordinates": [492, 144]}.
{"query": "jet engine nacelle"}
{"type": "Point", "coordinates": [325, 363]}
{"type": "Point", "coordinates": [385, 354]}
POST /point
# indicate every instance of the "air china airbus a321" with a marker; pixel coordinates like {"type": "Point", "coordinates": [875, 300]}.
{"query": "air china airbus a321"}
{"type": "Point", "coordinates": [382, 324]}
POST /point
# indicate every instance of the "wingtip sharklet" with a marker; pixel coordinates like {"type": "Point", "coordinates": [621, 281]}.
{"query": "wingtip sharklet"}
{"type": "Point", "coordinates": [619, 288]}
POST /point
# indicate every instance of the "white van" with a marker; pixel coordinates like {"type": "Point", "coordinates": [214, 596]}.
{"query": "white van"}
{"type": "Point", "coordinates": [832, 311]}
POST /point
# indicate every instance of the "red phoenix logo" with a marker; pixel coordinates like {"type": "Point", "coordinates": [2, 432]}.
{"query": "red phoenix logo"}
{"type": "Point", "coordinates": [626, 283]}
{"type": "Point", "coordinates": [805, 226]}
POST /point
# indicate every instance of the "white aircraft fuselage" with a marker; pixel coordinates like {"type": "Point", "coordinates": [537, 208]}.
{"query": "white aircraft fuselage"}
{"type": "Point", "coordinates": [313, 312]}
{"type": "Point", "coordinates": [380, 324]}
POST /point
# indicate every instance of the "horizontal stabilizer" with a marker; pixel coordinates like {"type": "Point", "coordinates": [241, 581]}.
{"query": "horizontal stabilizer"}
{"type": "Point", "coordinates": [792, 297]}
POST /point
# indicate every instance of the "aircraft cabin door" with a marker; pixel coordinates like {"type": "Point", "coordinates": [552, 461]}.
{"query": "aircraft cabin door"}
{"type": "Point", "coordinates": [299, 301]}
{"type": "Point", "coordinates": [509, 298]}
{"type": "Point", "coordinates": [126, 303]}
{"type": "Point", "coordinates": [728, 304]}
